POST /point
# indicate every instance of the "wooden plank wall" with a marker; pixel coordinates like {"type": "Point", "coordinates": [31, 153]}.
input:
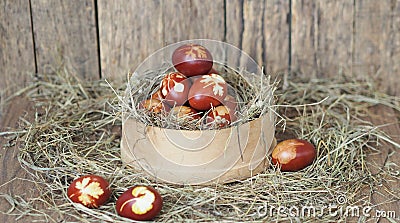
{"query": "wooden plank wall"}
{"type": "Point", "coordinates": [322, 37]}
{"type": "Point", "coordinates": [104, 39]}
{"type": "Point", "coordinates": [17, 59]}
{"type": "Point", "coordinates": [65, 33]}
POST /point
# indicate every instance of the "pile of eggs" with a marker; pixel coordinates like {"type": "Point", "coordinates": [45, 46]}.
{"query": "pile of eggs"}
{"type": "Point", "coordinates": [195, 91]}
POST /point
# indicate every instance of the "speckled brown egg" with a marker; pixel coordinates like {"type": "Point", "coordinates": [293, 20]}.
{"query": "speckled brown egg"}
{"type": "Point", "coordinates": [175, 88]}
{"type": "Point", "coordinates": [293, 154]}
{"type": "Point", "coordinates": [207, 91]}
{"type": "Point", "coordinates": [192, 60]}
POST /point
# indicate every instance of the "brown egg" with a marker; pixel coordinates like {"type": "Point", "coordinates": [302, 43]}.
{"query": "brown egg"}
{"type": "Point", "coordinates": [185, 111]}
{"type": "Point", "coordinates": [194, 78]}
{"type": "Point", "coordinates": [169, 81]}
{"type": "Point", "coordinates": [207, 91]}
{"type": "Point", "coordinates": [90, 190]}
{"type": "Point", "coordinates": [293, 154]}
{"type": "Point", "coordinates": [213, 71]}
{"type": "Point", "coordinates": [175, 88]}
{"type": "Point", "coordinates": [157, 95]}
{"type": "Point", "coordinates": [139, 203]}
{"type": "Point", "coordinates": [192, 60]}
{"type": "Point", "coordinates": [154, 105]}
{"type": "Point", "coordinates": [230, 102]}
{"type": "Point", "coordinates": [220, 116]}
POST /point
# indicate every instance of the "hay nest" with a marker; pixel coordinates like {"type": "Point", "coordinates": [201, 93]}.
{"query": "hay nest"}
{"type": "Point", "coordinates": [254, 95]}
{"type": "Point", "coordinates": [76, 131]}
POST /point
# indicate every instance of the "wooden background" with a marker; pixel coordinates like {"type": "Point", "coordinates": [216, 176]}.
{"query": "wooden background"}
{"type": "Point", "coordinates": [104, 39]}
{"type": "Point", "coordinates": [98, 39]}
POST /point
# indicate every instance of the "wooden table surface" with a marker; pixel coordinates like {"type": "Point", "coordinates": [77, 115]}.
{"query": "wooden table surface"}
{"type": "Point", "coordinates": [11, 179]}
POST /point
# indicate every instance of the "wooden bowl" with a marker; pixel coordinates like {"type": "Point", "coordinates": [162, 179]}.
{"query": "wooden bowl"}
{"type": "Point", "coordinates": [199, 157]}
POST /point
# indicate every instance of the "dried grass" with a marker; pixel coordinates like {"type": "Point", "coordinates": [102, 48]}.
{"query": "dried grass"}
{"type": "Point", "coordinates": [76, 131]}
{"type": "Point", "coordinates": [254, 95]}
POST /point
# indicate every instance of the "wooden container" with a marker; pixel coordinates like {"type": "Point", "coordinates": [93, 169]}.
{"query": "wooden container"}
{"type": "Point", "coordinates": [199, 157]}
{"type": "Point", "coordinates": [194, 156]}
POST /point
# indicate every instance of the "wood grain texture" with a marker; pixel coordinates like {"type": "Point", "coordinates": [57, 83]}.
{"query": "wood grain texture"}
{"type": "Point", "coordinates": [395, 50]}
{"type": "Point", "coordinates": [386, 194]}
{"type": "Point", "coordinates": [244, 22]}
{"type": "Point", "coordinates": [261, 30]}
{"type": "Point", "coordinates": [129, 31]}
{"type": "Point", "coordinates": [377, 42]}
{"type": "Point", "coordinates": [65, 34]}
{"type": "Point", "coordinates": [322, 37]}
{"type": "Point", "coordinates": [276, 37]}
{"type": "Point", "coordinates": [234, 27]}
{"type": "Point", "coordinates": [253, 25]}
{"type": "Point", "coordinates": [12, 175]}
{"type": "Point", "coordinates": [193, 19]}
{"type": "Point", "coordinates": [17, 60]}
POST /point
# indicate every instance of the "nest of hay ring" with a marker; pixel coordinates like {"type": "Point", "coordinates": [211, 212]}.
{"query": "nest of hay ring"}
{"type": "Point", "coordinates": [75, 131]}
{"type": "Point", "coordinates": [182, 150]}
{"type": "Point", "coordinates": [254, 94]}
